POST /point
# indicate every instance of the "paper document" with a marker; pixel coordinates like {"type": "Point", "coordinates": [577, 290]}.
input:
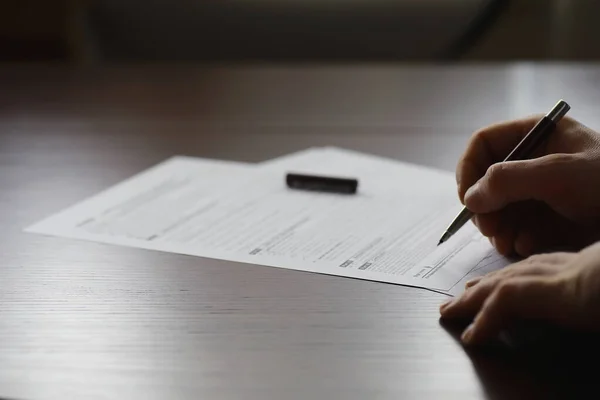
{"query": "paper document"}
{"type": "Point", "coordinates": [386, 232]}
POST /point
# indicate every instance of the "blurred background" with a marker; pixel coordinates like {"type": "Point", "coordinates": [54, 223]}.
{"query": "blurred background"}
{"type": "Point", "coordinates": [115, 31]}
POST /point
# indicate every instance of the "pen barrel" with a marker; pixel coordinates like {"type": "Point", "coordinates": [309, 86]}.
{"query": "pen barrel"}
{"type": "Point", "coordinates": [462, 218]}
{"type": "Point", "coordinates": [536, 136]}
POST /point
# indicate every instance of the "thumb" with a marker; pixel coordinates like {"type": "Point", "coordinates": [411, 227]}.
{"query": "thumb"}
{"type": "Point", "coordinates": [544, 179]}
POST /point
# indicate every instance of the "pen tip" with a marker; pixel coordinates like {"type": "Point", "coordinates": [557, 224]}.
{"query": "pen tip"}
{"type": "Point", "coordinates": [440, 242]}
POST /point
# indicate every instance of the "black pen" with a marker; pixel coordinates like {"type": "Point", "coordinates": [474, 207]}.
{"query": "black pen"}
{"type": "Point", "coordinates": [538, 134]}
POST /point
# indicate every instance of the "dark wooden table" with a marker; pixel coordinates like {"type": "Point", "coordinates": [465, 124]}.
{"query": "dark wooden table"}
{"type": "Point", "coordinates": [84, 320]}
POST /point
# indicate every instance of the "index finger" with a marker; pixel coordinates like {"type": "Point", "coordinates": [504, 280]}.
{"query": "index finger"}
{"type": "Point", "coordinates": [488, 146]}
{"type": "Point", "coordinates": [527, 297]}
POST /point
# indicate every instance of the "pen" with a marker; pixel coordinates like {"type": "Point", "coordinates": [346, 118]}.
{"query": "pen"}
{"type": "Point", "coordinates": [321, 183]}
{"type": "Point", "coordinates": [524, 149]}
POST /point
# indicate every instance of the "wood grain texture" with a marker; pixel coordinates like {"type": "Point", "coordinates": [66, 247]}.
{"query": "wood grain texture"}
{"type": "Point", "coordinates": [86, 320]}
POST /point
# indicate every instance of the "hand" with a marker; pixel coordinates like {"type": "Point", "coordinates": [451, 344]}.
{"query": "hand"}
{"type": "Point", "coordinates": [559, 288]}
{"type": "Point", "coordinates": [543, 204]}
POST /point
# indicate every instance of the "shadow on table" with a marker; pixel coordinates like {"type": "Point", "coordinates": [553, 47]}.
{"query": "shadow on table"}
{"type": "Point", "coordinates": [536, 362]}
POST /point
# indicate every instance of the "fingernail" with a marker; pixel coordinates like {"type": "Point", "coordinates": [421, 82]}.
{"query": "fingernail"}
{"type": "Point", "coordinates": [467, 334]}
{"type": "Point", "coordinates": [445, 305]}
{"type": "Point", "coordinates": [472, 282]}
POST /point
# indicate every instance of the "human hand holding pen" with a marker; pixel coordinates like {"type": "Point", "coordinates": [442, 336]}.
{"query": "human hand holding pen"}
{"type": "Point", "coordinates": [549, 201]}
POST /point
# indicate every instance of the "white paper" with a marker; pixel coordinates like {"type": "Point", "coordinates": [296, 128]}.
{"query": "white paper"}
{"type": "Point", "coordinates": [387, 232]}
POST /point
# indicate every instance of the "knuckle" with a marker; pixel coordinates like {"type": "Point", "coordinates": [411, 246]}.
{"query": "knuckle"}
{"type": "Point", "coordinates": [506, 290]}
{"type": "Point", "coordinates": [512, 272]}
{"type": "Point", "coordinates": [477, 138]}
{"type": "Point", "coordinates": [568, 122]}
{"type": "Point", "coordinates": [495, 175]}
{"type": "Point", "coordinates": [557, 162]}
{"type": "Point", "coordinates": [480, 291]}
{"type": "Point", "coordinates": [479, 134]}
{"type": "Point", "coordinates": [536, 259]}
{"type": "Point", "coordinates": [563, 158]}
